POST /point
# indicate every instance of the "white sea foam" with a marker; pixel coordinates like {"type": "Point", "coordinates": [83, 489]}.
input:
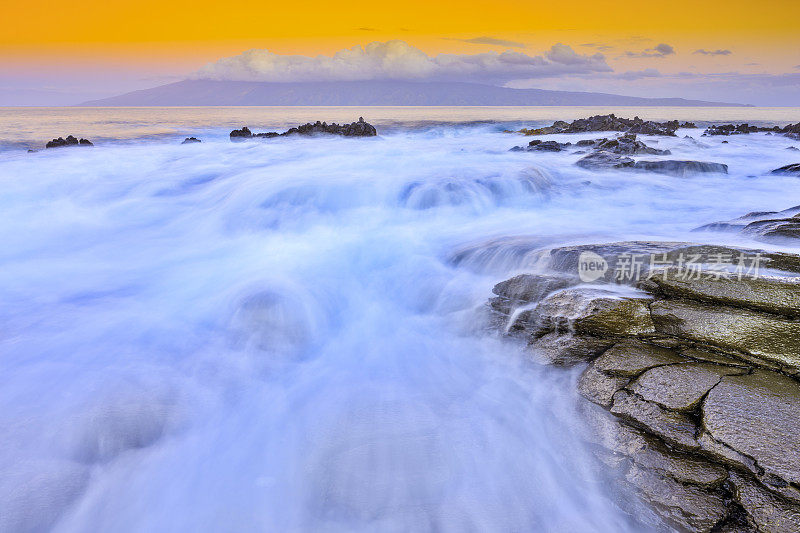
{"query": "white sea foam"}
{"type": "Point", "coordinates": [282, 335]}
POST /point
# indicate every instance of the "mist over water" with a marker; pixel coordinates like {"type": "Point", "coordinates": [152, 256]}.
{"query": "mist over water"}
{"type": "Point", "coordinates": [287, 335]}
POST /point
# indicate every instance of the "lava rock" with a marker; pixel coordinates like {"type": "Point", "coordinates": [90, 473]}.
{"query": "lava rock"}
{"type": "Point", "coordinates": [611, 123]}
{"type": "Point", "coordinates": [69, 141]}
{"type": "Point", "coordinates": [354, 129]}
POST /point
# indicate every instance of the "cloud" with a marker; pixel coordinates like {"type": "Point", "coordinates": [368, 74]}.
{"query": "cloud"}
{"type": "Point", "coordinates": [364, 28]}
{"type": "Point", "coordinates": [400, 61]}
{"type": "Point", "coordinates": [713, 52]}
{"type": "Point", "coordinates": [485, 39]}
{"type": "Point", "coordinates": [638, 74]}
{"type": "Point", "coordinates": [661, 50]}
{"type": "Point", "coordinates": [603, 47]}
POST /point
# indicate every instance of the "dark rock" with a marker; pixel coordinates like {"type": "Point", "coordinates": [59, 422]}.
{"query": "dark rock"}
{"type": "Point", "coordinates": [788, 170]}
{"type": "Point", "coordinates": [793, 148]}
{"type": "Point", "coordinates": [602, 160]}
{"type": "Point", "coordinates": [680, 168]}
{"type": "Point", "coordinates": [525, 289]}
{"type": "Point", "coordinates": [611, 123]}
{"type": "Point", "coordinates": [566, 350]}
{"type": "Point", "coordinates": [737, 129]}
{"type": "Point", "coordinates": [547, 146]}
{"type": "Point", "coordinates": [354, 129]}
{"type": "Point", "coordinates": [191, 140]}
{"type": "Point", "coordinates": [767, 511]}
{"type": "Point", "coordinates": [69, 141]}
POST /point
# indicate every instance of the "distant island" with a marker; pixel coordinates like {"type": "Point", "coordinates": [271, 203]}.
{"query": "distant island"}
{"type": "Point", "coordinates": [372, 93]}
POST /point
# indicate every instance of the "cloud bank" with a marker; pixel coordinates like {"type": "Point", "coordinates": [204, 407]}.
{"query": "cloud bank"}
{"type": "Point", "coordinates": [662, 50]}
{"type": "Point", "coordinates": [705, 52]}
{"type": "Point", "coordinates": [398, 60]}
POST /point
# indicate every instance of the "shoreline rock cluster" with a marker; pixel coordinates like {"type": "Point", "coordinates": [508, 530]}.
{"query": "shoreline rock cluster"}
{"type": "Point", "coordinates": [611, 123]}
{"type": "Point", "coordinates": [613, 154]}
{"type": "Point", "coordinates": [693, 380]}
{"type": "Point", "coordinates": [762, 225]}
{"type": "Point", "coordinates": [739, 129]}
{"type": "Point", "coordinates": [354, 129]}
{"type": "Point", "coordinates": [61, 142]}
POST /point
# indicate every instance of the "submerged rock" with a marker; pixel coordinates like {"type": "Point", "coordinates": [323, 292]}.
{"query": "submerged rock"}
{"type": "Point", "coordinates": [788, 170]}
{"type": "Point", "coordinates": [602, 160]}
{"type": "Point", "coordinates": [191, 140]}
{"type": "Point", "coordinates": [69, 141]}
{"type": "Point", "coordinates": [354, 129]}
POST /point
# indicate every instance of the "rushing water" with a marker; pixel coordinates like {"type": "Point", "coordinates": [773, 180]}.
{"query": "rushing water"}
{"type": "Point", "coordinates": [286, 335]}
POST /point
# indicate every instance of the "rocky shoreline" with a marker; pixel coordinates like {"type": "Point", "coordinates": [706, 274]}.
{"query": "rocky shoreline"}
{"type": "Point", "coordinates": [692, 384]}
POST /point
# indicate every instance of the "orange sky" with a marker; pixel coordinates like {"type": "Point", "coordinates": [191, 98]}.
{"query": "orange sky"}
{"type": "Point", "coordinates": [191, 31]}
{"type": "Point", "coordinates": [98, 48]}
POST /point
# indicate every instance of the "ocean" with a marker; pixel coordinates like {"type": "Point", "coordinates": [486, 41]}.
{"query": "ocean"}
{"type": "Point", "coordinates": [288, 335]}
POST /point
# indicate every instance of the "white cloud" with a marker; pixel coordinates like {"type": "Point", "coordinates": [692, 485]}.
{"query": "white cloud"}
{"type": "Point", "coordinates": [398, 60]}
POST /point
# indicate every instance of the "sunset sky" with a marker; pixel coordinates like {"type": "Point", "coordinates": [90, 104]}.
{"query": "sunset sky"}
{"type": "Point", "coordinates": [734, 50]}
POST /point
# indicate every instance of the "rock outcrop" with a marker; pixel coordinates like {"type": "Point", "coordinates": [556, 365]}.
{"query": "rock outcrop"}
{"type": "Point", "coordinates": [739, 129]}
{"type": "Point", "coordinates": [790, 170]}
{"type": "Point", "coordinates": [693, 372]}
{"type": "Point", "coordinates": [611, 123]}
{"type": "Point", "coordinates": [354, 129]}
{"type": "Point", "coordinates": [762, 225]}
{"type": "Point", "coordinates": [69, 141]}
{"type": "Point", "coordinates": [191, 140]}
{"type": "Point", "coordinates": [626, 144]}
{"type": "Point", "coordinates": [603, 160]}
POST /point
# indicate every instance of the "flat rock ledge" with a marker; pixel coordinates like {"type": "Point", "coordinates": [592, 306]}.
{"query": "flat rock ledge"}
{"type": "Point", "coordinates": [692, 382]}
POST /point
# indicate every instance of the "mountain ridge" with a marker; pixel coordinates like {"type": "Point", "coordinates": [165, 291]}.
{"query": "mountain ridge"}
{"type": "Point", "coordinates": [372, 93]}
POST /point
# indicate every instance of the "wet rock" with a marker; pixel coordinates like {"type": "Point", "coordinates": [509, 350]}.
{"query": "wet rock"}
{"type": "Point", "coordinates": [354, 129]}
{"type": "Point", "coordinates": [191, 140]}
{"type": "Point", "coordinates": [738, 129]}
{"type": "Point", "coordinates": [769, 513]}
{"type": "Point", "coordinates": [712, 357]}
{"type": "Point", "coordinates": [566, 350]}
{"type": "Point", "coordinates": [602, 160]}
{"type": "Point", "coordinates": [769, 339]}
{"type": "Point", "coordinates": [679, 387]}
{"type": "Point", "coordinates": [627, 144]}
{"type": "Point", "coordinates": [588, 311]}
{"type": "Point", "coordinates": [632, 357]}
{"type": "Point", "coordinates": [525, 288]}
{"type": "Point", "coordinates": [788, 170]}
{"type": "Point", "coordinates": [770, 291]}
{"type": "Point", "coordinates": [690, 508]}
{"type": "Point", "coordinates": [547, 146]}
{"type": "Point", "coordinates": [69, 141]}
{"type": "Point", "coordinates": [650, 453]}
{"type": "Point", "coordinates": [611, 123]}
{"type": "Point", "coordinates": [680, 168]}
{"type": "Point", "coordinates": [765, 225]}
{"type": "Point", "coordinates": [598, 387]}
{"type": "Point", "coordinates": [756, 415]}
{"type": "Point", "coordinates": [567, 258]}
{"type": "Point", "coordinates": [674, 428]}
